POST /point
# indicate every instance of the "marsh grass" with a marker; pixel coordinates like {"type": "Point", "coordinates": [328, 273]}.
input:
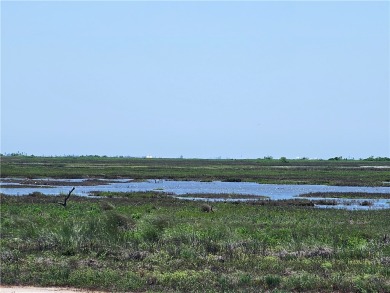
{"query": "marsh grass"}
{"type": "Point", "coordinates": [347, 195]}
{"type": "Point", "coordinates": [148, 241]}
{"type": "Point", "coordinates": [336, 172]}
{"type": "Point", "coordinates": [223, 196]}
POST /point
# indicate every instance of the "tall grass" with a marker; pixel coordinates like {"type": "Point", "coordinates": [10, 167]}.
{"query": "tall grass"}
{"type": "Point", "coordinates": [155, 243]}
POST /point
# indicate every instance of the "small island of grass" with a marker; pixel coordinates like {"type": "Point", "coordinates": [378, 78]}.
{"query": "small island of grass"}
{"type": "Point", "coordinates": [352, 195]}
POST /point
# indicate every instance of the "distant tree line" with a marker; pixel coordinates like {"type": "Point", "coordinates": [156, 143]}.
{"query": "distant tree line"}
{"type": "Point", "coordinates": [281, 159]}
{"type": "Point", "coordinates": [371, 158]}
{"type": "Point", "coordinates": [377, 159]}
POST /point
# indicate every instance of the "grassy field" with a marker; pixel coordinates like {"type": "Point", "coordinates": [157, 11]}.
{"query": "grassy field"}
{"type": "Point", "coordinates": [283, 171]}
{"type": "Point", "coordinates": [152, 242]}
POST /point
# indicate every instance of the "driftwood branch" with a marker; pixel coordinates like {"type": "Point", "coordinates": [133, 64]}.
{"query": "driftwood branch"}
{"type": "Point", "coordinates": [66, 198]}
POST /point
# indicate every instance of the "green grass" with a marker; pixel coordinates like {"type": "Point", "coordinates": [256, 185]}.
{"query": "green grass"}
{"type": "Point", "coordinates": [152, 242]}
{"type": "Point", "coordinates": [342, 172]}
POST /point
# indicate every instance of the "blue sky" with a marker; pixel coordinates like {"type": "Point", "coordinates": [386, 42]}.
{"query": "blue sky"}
{"type": "Point", "coordinates": [196, 79]}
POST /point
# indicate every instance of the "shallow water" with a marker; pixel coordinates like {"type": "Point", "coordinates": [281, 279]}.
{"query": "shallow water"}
{"type": "Point", "coordinates": [273, 191]}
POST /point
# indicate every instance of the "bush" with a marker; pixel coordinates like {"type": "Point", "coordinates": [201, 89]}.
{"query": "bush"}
{"type": "Point", "coordinates": [272, 281]}
{"type": "Point", "coordinates": [153, 227]}
{"type": "Point", "coordinates": [283, 160]}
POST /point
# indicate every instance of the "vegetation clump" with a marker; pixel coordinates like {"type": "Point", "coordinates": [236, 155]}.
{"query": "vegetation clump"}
{"type": "Point", "coordinates": [355, 195]}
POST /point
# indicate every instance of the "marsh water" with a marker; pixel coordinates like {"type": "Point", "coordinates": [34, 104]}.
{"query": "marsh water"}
{"type": "Point", "coordinates": [180, 188]}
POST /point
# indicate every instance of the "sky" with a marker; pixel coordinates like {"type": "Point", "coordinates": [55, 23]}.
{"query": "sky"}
{"type": "Point", "coordinates": [196, 79]}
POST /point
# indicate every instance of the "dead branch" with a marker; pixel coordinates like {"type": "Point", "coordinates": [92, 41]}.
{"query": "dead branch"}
{"type": "Point", "coordinates": [66, 198]}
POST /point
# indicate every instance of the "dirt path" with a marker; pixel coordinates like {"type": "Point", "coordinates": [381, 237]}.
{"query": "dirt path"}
{"type": "Point", "coordinates": [26, 289]}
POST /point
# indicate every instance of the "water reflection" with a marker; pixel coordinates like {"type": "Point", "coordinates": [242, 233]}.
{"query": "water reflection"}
{"type": "Point", "coordinates": [273, 191]}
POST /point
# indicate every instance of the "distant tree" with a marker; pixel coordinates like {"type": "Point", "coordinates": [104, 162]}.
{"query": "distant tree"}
{"type": "Point", "coordinates": [336, 158]}
{"type": "Point", "coordinates": [283, 160]}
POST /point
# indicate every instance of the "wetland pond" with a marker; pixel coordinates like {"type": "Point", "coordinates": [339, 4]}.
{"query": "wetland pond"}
{"type": "Point", "coordinates": [185, 190]}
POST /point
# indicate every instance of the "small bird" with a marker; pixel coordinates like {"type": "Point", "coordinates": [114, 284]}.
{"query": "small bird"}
{"type": "Point", "coordinates": [66, 198]}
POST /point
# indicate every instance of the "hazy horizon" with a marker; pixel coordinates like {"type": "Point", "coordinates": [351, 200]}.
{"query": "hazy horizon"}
{"type": "Point", "coordinates": [336, 158]}
{"type": "Point", "coordinates": [196, 79]}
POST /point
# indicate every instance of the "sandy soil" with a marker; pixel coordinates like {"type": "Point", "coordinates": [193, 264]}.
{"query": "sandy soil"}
{"type": "Point", "coordinates": [25, 289]}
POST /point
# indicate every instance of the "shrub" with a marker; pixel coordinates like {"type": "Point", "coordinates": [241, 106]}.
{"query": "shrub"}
{"type": "Point", "coordinates": [153, 227]}
{"type": "Point", "coordinates": [283, 160]}
{"type": "Point", "coordinates": [272, 281]}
